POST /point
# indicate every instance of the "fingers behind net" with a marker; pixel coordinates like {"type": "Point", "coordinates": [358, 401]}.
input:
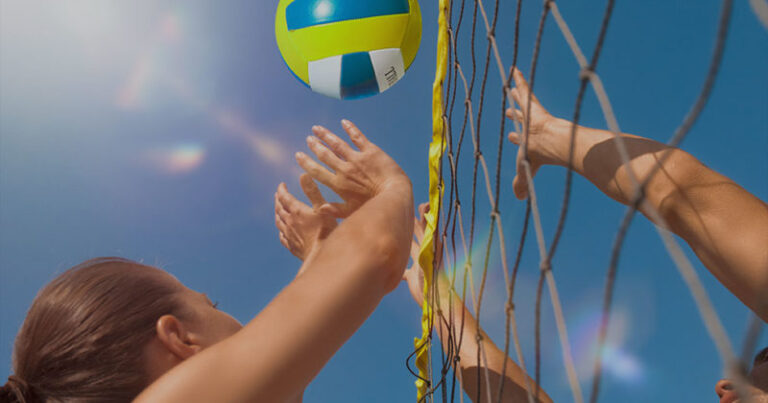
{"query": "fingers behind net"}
{"type": "Point", "coordinates": [520, 183]}
{"type": "Point", "coordinates": [520, 82]}
{"type": "Point", "coordinates": [515, 114]}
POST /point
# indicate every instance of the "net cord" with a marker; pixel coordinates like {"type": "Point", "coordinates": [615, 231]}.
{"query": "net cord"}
{"type": "Point", "coordinates": [712, 322]}
{"type": "Point", "coordinates": [760, 8]}
{"type": "Point", "coordinates": [710, 318]}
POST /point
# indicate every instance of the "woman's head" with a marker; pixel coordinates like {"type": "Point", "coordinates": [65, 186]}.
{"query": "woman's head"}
{"type": "Point", "coordinates": [105, 329]}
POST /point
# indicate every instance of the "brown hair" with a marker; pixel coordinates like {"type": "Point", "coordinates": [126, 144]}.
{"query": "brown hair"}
{"type": "Point", "coordinates": [83, 338]}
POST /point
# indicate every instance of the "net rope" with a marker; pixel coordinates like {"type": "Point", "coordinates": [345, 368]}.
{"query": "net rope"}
{"type": "Point", "coordinates": [443, 139]}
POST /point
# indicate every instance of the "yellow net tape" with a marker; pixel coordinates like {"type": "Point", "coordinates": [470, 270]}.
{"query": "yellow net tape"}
{"type": "Point", "coordinates": [426, 255]}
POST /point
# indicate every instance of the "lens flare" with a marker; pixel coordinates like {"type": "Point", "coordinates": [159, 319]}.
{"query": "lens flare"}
{"type": "Point", "coordinates": [176, 160]}
{"type": "Point", "coordinates": [618, 362]}
{"type": "Point", "coordinates": [473, 272]}
{"type": "Point", "coordinates": [149, 71]}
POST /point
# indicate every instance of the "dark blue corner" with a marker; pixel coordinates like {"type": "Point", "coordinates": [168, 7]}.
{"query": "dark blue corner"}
{"type": "Point", "coordinates": [358, 79]}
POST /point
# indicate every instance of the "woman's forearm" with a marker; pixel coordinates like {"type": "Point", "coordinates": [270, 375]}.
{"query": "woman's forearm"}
{"type": "Point", "coordinates": [453, 313]}
{"type": "Point", "coordinates": [286, 345]}
{"type": "Point", "coordinates": [597, 158]}
{"type": "Point", "coordinates": [726, 226]}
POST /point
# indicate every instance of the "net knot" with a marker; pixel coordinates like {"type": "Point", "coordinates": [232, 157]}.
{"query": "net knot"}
{"type": "Point", "coordinates": [546, 266]}
{"type": "Point", "coordinates": [586, 73]}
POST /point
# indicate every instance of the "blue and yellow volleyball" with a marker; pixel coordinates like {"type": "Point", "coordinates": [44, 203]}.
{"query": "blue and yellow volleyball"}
{"type": "Point", "coordinates": [348, 49]}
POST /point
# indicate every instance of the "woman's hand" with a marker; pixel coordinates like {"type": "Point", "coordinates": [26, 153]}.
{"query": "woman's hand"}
{"type": "Point", "coordinates": [545, 145]}
{"type": "Point", "coordinates": [414, 275]}
{"type": "Point", "coordinates": [302, 228]}
{"type": "Point", "coordinates": [355, 175]}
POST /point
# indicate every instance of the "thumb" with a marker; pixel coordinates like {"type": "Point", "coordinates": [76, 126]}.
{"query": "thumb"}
{"type": "Point", "coordinates": [520, 186]}
{"type": "Point", "coordinates": [406, 273]}
{"type": "Point", "coordinates": [310, 189]}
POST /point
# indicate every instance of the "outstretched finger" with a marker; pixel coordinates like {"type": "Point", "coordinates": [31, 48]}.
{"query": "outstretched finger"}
{"type": "Point", "coordinates": [325, 155]}
{"type": "Point", "coordinates": [337, 145]}
{"type": "Point", "coordinates": [521, 85]}
{"type": "Point", "coordinates": [280, 212]}
{"type": "Point", "coordinates": [521, 99]}
{"type": "Point", "coordinates": [515, 114]}
{"type": "Point", "coordinates": [280, 224]}
{"type": "Point", "coordinates": [520, 81]}
{"type": "Point", "coordinates": [517, 98]}
{"type": "Point", "coordinates": [288, 201]}
{"type": "Point", "coordinates": [311, 190]}
{"type": "Point", "coordinates": [315, 170]}
{"type": "Point", "coordinates": [357, 137]}
{"type": "Point", "coordinates": [520, 183]}
{"type": "Point", "coordinates": [284, 241]}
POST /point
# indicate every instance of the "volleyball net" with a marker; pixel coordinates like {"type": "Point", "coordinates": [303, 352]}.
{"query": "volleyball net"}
{"type": "Point", "coordinates": [454, 226]}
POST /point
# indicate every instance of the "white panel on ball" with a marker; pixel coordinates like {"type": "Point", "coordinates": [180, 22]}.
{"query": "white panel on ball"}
{"type": "Point", "coordinates": [388, 65]}
{"type": "Point", "coordinates": [325, 76]}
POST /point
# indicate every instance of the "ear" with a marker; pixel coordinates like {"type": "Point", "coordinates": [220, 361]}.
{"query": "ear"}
{"type": "Point", "coordinates": [176, 338]}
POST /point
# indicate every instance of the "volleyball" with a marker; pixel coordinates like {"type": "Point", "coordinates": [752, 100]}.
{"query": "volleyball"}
{"type": "Point", "coordinates": [348, 49]}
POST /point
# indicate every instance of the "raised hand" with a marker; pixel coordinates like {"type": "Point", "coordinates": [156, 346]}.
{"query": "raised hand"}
{"type": "Point", "coordinates": [302, 228]}
{"type": "Point", "coordinates": [414, 275]}
{"type": "Point", "coordinates": [544, 145]}
{"type": "Point", "coordinates": [355, 175]}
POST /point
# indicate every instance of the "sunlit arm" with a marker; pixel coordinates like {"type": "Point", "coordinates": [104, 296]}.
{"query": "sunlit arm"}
{"type": "Point", "coordinates": [458, 329]}
{"type": "Point", "coordinates": [279, 352]}
{"type": "Point", "coordinates": [453, 312]}
{"type": "Point", "coordinates": [726, 226]}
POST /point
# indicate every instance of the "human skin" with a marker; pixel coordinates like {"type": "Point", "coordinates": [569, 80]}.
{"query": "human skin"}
{"type": "Point", "coordinates": [272, 359]}
{"type": "Point", "coordinates": [453, 316]}
{"type": "Point", "coordinates": [304, 226]}
{"type": "Point", "coordinates": [726, 226]}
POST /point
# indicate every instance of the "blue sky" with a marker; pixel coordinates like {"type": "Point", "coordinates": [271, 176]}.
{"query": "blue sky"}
{"type": "Point", "coordinates": [159, 130]}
